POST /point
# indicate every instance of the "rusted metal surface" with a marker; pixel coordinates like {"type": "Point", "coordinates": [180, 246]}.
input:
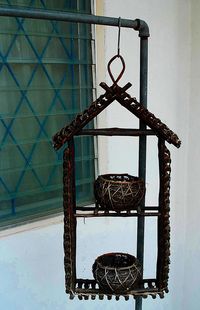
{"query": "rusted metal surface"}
{"type": "Point", "coordinates": [150, 120]}
{"type": "Point", "coordinates": [115, 92]}
{"type": "Point", "coordinates": [69, 207]}
{"type": "Point", "coordinates": [163, 221]}
{"type": "Point", "coordinates": [82, 119]}
{"type": "Point", "coordinates": [116, 132]}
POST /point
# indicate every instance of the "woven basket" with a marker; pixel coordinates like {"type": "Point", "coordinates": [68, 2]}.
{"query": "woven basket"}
{"type": "Point", "coordinates": [117, 272]}
{"type": "Point", "coordinates": [119, 192]}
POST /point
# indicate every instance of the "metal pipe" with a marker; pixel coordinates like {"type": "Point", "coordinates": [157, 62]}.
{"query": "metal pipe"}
{"type": "Point", "coordinates": [142, 152]}
{"type": "Point", "coordinates": [136, 24]}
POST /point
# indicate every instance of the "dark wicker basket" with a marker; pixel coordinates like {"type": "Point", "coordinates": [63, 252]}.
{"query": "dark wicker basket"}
{"type": "Point", "coordinates": [119, 192]}
{"type": "Point", "coordinates": [117, 272]}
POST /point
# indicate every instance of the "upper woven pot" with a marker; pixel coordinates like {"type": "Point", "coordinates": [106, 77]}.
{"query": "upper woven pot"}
{"type": "Point", "coordinates": [119, 192]}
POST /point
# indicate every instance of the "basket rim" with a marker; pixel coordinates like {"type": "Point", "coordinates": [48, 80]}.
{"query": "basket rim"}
{"type": "Point", "coordinates": [133, 179]}
{"type": "Point", "coordinates": [136, 261]}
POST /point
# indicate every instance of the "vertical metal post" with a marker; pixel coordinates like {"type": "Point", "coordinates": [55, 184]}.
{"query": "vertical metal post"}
{"type": "Point", "coordinates": [142, 152]}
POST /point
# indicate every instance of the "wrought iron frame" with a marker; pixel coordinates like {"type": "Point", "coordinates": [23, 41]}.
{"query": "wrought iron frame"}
{"type": "Point", "coordinates": [84, 288]}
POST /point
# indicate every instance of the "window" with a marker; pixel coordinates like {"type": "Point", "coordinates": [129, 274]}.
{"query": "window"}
{"type": "Point", "coordinates": [45, 80]}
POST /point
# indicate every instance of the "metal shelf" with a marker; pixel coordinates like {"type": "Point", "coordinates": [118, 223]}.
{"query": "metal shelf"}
{"type": "Point", "coordinates": [116, 132]}
{"type": "Point", "coordinates": [86, 288]}
{"type": "Point", "coordinates": [95, 212]}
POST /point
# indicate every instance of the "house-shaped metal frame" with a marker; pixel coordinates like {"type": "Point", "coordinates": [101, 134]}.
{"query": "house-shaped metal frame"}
{"type": "Point", "coordinates": [86, 287]}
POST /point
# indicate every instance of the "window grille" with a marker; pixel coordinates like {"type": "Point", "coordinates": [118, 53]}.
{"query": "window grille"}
{"type": "Point", "coordinates": [45, 80]}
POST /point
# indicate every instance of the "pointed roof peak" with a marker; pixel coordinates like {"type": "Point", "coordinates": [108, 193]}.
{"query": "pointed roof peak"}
{"type": "Point", "coordinates": [115, 92]}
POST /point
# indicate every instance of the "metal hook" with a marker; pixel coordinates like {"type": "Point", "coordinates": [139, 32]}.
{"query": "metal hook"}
{"type": "Point", "coordinates": [119, 36]}
{"type": "Point", "coordinates": [122, 70]}
{"type": "Point", "coordinates": [115, 81]}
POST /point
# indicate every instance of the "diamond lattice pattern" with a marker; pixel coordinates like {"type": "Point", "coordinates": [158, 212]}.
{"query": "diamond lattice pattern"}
{"type": "Point", "coordinates": [45, 80]}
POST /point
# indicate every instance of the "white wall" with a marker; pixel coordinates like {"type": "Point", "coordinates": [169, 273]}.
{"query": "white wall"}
{"type": "Point", "coordinates": [31, 263]}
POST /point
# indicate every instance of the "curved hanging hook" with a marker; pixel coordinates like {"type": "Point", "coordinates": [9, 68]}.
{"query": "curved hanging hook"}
{"type": "Point", "coordinates": [115, 81]}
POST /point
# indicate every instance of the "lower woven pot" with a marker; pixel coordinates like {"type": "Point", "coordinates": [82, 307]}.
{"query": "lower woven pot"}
{"type": "Point", "coordinates": [117, 272]}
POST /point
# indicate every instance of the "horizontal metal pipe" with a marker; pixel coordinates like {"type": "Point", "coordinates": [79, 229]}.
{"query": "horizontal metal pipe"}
{"type": "Point", "coordinates": [136, 24]}
{"type": "Point", "coordinates": [67, 16]}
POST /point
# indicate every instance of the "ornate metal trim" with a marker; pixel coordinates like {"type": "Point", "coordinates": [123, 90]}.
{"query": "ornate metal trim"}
{"type": "Point", "coordinates": [163, 221]}
{"type": "Point", "coordinates": [112, 93]}
{"type": "Point", "coordinates": [69, 206]}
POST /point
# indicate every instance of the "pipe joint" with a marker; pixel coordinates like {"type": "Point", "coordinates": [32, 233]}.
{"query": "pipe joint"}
{"type": "Point", "coordinates": [143, 28]}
